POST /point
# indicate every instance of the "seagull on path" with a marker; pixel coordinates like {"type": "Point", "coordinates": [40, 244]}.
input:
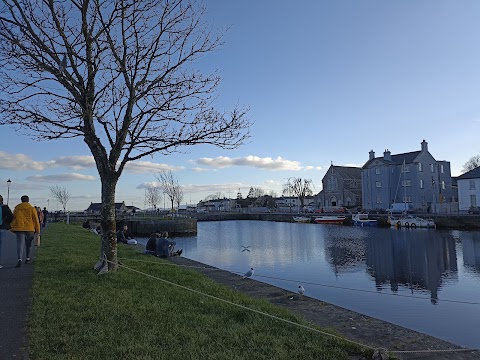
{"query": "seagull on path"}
{"type": "Point", "coordinates": [248, 274]}
{"type": "Point", "coordinates": [301, 289]}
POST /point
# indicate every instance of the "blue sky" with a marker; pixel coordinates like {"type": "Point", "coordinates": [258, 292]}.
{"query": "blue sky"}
{"type": "Point", "coordinates": [326, 81]}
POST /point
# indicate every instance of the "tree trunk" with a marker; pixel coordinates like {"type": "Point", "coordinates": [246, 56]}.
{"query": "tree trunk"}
{"type": "Point", "coordinates": [108, 223]}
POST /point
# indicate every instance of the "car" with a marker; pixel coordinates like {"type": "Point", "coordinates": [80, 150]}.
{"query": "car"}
{"type": "Point", "coordinates": [474, 210]}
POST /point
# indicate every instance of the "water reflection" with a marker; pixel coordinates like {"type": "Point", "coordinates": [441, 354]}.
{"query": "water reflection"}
{"type": "Point", "coordinates": [415, 258]}
{"type": "Point", "coordinates": [333, 260]}
{"type": "Point", "coordinates": [471, 250]}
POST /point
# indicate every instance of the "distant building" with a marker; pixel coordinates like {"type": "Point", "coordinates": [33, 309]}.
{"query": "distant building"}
{"type": "Point", "coordinates": [96, 208]}
{"type": "Point", "coordinates": [342, 186]}
{"type": "Point", "coordinates": [469, 190]}
{"type": "Point", "coordinates": [415, 178]}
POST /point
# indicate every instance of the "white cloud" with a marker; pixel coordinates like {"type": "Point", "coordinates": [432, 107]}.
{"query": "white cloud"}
{"type": "Point", "coordinates": [21, 162]}
{"type": "Point", "coordinates": [199, 169]}
{"type": "Point", "coordinates": [140, 167]}
{"type": "Point", "coordinates": [76, 162]}
{"type": "Point", "coordinates": [61, 177]}
{"type": "Point", "coordinates": [254, 161]}
{"type": "Point", "coordinates": [148, 185]}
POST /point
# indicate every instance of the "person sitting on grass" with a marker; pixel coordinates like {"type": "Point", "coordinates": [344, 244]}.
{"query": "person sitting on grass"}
{"type": "Point", "coordinates": [121, 234]}
{"type": "Point", "coordinates": [165, 247]}
{"type": "Point", "coordinates": [151, 247]}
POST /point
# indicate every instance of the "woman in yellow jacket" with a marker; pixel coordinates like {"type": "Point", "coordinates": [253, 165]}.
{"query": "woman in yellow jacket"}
{"type": "Point", "coordinates": [25, 224]}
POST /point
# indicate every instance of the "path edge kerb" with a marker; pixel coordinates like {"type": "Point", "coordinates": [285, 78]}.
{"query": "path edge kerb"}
{"type": "Point", "coordinates": [354, 326]}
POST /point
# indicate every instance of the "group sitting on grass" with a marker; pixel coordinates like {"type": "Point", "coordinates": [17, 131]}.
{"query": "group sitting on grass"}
{"type": "Point", "coordinates": [159, 245]}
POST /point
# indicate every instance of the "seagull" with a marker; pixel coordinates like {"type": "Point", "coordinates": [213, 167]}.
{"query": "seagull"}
{"type": "Point", "coordinates": [301, 289]}
{"type": "Point", "coordinates": [248, 274]}
{"type": "Point", "coordinates": [246, 248]}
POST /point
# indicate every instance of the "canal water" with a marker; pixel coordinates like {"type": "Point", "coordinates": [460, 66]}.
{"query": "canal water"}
{"type": "Point", "coordinates": [425, 280]}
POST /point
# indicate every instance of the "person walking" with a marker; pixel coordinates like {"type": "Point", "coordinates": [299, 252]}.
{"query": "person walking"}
{"type": "Point", "coordinates": [25, 224]}
{"type": "Point", "coordinates": [6, 218]}
{"type": "Point", "coordinates": [45, 215]}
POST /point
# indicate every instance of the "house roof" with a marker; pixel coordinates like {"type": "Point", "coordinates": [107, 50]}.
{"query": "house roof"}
{"type": "Point", "coordinates": [346, 172]}
{"type": "Point", "coordinates": [397, 159]}
{"type": "Point", "coordinates": [98, 206]}
{"type": "Point", "coordinates": [472, 174]}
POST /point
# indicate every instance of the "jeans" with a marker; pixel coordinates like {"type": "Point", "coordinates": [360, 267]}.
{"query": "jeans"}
{"type": "Point", "coordinates": [24, 239]}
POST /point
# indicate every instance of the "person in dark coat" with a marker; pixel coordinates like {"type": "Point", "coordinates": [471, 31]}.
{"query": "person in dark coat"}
{"type": "Point", "coordinates": [6, 217]}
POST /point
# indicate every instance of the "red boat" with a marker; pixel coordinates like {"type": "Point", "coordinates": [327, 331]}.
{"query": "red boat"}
{"type": "Point", "coordinates": [330, 219]}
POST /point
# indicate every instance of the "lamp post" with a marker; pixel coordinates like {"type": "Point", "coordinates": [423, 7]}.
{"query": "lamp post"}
{"type": "Point", "coordinates": [8, 189]}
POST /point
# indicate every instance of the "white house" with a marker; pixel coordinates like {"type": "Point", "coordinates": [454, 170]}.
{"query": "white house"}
{"type": "Point", "coordinates": [469, 189]}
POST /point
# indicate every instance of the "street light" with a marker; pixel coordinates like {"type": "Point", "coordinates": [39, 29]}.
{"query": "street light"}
{"type": "Point", "coordinates": [8, 189]}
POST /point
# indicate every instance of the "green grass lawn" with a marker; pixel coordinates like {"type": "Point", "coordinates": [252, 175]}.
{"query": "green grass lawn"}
{"type": "Point", "coordinates": [77, 314]}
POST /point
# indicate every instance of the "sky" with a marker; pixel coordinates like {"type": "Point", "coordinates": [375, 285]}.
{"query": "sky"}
{"type": "Point", "coordinates": [325, 81]}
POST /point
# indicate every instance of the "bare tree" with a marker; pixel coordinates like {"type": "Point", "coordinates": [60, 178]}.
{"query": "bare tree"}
{"type": "Point", "coordinates": [61, 195]}
{"type": "Point", "coordinates": [170, 186]}
{"type": "Point", "coordinates": [178, 195]}
{"type": "Point", "coordinates": [301, 188]}
{"type": "Point", "coordinates": [117, 75]}
{"type": "Point", "coordinates": [471, 163]}
{"type": "Point", "coordinates": [153, 196]}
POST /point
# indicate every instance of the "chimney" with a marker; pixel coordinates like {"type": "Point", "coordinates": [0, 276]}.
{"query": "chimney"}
{"type": "Point", "coordinates": [371, 155]}
{"type": "Point", "coordinates": [387, 155]}
{"type": "Point", "coordinates": [424, 146]}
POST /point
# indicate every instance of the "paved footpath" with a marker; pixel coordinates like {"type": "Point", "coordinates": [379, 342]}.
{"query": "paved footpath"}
{"type": "Point", "coordinates": [15, 301]}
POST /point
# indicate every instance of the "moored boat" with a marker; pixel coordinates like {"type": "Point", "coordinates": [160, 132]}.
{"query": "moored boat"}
{"type": "Point", "coordinates": [301, 219]}
{"type": "Point", "coordinates": [411, 221]}
{"type": "Point", "coordinates": [361, 219]}
{"type": "Point", "coordinates": [330, 219]}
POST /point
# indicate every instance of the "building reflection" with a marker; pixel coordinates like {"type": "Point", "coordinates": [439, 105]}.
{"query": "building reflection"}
{"type": "Point", "coordinates": [417, 259]}
{"type": "Point", "coordinates": [471, 250]}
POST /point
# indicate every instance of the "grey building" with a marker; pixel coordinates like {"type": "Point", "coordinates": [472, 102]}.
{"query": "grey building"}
{"type": "Point", "coordinates": [342, 186]}
{"type": "Point", "coordinates": [415, 178]}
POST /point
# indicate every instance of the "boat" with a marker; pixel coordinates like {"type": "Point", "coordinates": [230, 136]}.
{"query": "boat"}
{"type": "Point", "coordinates": [301, 219]}
{"type": "Point", "coordinates": [361, 219]}
{"type": "Point", "coordinates": [330, 219]}
{"type": "Point", "coordinates": [411, 221]}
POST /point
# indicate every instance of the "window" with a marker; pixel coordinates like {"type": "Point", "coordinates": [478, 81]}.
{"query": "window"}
{"type": "Point", "coordinates": [473, 200]}
{"type": "Point", "coordinates": [472, 184]}
{"type": "Point", "coordinates": [377, 171]}
{"type": "Point", "coordinates": [423, 200]}
{"type": "Point", "coordinates": [379, 200]}
{"type": "Point", "coordinates": [378, 184]}
{"type": "Point", "coordinates": [405, 168]}
{"type": "Point", "coordinates": [406, 182]}
{"type": "Point", "coordinates": [432, 168]}
{"type": "Point", "coordinates": [441, 168]}
{"type": "Point", "coordinates": [407, 199]}
{"type": "Point", "coordinates": [420, 167]}
{"type": "Point", "coordinates": [443, 184]}
{"type": "Point", "coordinates": [421, 184]}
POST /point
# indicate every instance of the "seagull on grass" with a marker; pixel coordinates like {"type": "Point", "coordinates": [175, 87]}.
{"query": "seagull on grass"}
{"type": "Point", "coordinates": [301, 290]}
{"type": "Point", "coordinates": [248, 274]}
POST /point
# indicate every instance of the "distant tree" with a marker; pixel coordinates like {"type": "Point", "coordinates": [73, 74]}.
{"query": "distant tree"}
{"type": "Point", "coordinates": [471, 163]}
{"type": "Point", "coordinates": [178, 195]}
{"type": "Point", "coordinates": [170, 186]}
{"type": "Point", "coordinates": [255, 192]}
{"type": "Point", "coordinates": [61, 194]}
{"type": "Point", "coordinates": [153, 196]}
{"type": "Point", "coordinates": [272, 193]}
{"type": "Point", "coordinates": [300, 188]}
{"type": "Point", "coordinates": [216, 196]}
{"type": "Point", "coordinates": [117, 75]}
